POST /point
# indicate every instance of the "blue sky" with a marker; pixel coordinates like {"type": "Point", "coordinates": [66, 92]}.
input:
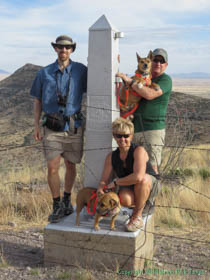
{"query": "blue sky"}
{"type": "Point", "coordinates": [182, 27]}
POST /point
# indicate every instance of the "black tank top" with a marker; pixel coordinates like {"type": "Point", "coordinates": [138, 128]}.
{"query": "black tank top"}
{"type": "Point", "coordinates": [122, 171]}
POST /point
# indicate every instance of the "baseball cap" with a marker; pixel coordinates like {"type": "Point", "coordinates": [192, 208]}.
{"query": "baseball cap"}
{"type": "Point", "coordinates": [161, 52]}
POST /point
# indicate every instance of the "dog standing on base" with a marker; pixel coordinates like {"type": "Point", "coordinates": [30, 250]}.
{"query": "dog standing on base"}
{"type": "Point", "coordinates": [127, 97]}
{"type": "Point", "coordinates": [107, 205]}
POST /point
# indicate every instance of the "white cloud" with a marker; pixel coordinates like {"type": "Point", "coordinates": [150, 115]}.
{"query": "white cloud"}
{"type": "Point", "coordinates": [26, 32]}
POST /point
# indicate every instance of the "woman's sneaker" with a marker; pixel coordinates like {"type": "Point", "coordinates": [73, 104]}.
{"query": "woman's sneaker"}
{"type": "Point", "coordinates": [134, 224]}
{"type": "Point", "coordinates": [67, 206]}
{"type": "Point", "coordinates": [57, 213]}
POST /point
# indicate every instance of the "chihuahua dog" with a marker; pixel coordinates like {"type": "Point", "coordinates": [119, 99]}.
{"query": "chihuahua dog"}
{"type": "Point", "coordinates": [129, 99]}
{"type": "Point", "coordinates": [107, 205]}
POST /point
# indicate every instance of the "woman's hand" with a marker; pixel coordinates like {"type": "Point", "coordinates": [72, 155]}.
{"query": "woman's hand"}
{"type": "Point", "coordinates": [100, 190]}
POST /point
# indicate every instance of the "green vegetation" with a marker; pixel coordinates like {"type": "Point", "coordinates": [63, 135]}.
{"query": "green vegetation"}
{"type": "Point", "coordinates": [204, 173]}
{"type": "Point", "coordinates": [181, 172]}
{"type": "Point", "coordinates": [65, 275]}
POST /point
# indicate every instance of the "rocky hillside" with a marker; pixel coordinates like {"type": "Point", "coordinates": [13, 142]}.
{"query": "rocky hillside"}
{"type": "Point", "coordinates": [15, 89]}
{"type": "Point", "coordinates": [188, 116]}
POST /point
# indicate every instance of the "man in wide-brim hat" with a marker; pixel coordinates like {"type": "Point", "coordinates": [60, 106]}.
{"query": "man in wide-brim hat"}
{"type": "Point", "coordinates": [66, 41]}
{"type": "Point", "coordinates": [58, 90]}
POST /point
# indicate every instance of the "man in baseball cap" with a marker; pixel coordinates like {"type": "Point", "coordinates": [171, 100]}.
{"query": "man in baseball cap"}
{"type": "Point", "coordinates": [162, 53]}
{"type": "Point", "coordinates": [149, 118]}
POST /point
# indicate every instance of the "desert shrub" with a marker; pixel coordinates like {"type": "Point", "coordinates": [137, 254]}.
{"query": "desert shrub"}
{"type": "Point", "coordinates": [205, 174]}
{"type": "Point", "coordinates": [180, 172]}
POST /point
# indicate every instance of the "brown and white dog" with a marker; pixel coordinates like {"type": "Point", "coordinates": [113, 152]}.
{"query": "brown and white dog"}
{"type": "Point", "coordinates": [127, 97]}
{"type": "Point", "coordinates": [103, 205]}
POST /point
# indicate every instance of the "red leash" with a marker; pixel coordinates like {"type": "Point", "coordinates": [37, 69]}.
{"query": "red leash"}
{"type": "Point", "coordinates": [130, 112]}
{"type": "Point", "coordinates": [127, 95]}
{"type": "Point", "coordinates": [93, 196]}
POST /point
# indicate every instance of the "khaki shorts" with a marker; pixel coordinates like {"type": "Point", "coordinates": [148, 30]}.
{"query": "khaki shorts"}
{"type": "Point", "coordinates": [153, 141]}
{"type": "Point", "coordinates": [154, 191]}
{"type": "Point", "coordinates": [66, 144]}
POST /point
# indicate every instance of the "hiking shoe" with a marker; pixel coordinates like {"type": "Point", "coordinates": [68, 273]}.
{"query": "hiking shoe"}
{"type": "Point", "coordinates": [57, 213]}
{"type": "Point", "coordinates": [68, 208]}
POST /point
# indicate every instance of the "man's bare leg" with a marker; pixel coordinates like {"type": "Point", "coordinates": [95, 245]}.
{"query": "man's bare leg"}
{"type": "Point", "coordinates": [54, 184]}
{"type": "Point", "coordinates": [53, 176]}
{"type": "Point", "coordinates": [69, 183]}
{"type": "Point", "coordinates": [69, 176]}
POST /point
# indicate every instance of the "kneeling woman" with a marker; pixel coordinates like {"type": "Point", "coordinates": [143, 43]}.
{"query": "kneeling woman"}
{"type": "Point", "coordinates": [133, 173]}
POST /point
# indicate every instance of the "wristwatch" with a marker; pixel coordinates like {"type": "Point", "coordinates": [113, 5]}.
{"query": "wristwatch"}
{"type": "Point", "coordinates": [131, 83]}
{"type": "Point", "coordinates": [115, 183]}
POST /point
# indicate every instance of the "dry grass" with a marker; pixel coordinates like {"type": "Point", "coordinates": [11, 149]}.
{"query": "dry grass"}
{"type": "Point", "coordinates": [29, 202]}
{"type": "Point", "coordinates": [182, 197]}
{"type": "Point", "coordinates": [178, 195]}
{"type": "Point", "coordinates": [24, 208]}
{"type": "Point", "coordinates": [25, 197]}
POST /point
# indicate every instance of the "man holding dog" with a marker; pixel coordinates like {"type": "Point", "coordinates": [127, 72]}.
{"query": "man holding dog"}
{"type": "Point", "coordinates": [58, 91]}
{"type": "Point", "coordinates": [149, 118]}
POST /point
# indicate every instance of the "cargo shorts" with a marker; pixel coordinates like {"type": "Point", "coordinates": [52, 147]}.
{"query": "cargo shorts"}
{"type": "Point", "coordinates": [154, 190]}
{"type": "Point", "coordinates": [153, 142]}
{"type": "Point", "coordinates": [66, 144]}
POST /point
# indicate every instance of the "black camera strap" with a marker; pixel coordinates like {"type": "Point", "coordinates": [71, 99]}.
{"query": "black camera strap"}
{"type": "Point", "coordinates": [58, 91]}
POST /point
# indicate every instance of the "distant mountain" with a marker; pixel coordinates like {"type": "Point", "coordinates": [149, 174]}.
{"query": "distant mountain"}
{"type": "Point", "coordinates": [15, 90]}
{"type": "Point", "coordinates": [3, 72]}
{"type": "Point", "coordinates": [193, 75]}
{"type": "Point", "coordinates": [16, 109]}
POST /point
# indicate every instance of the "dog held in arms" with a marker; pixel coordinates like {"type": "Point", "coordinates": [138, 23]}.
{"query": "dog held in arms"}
{"type": "Point", "coordinates": [103, 205]}
{"type": "Point", "coordinates": [127, 97]}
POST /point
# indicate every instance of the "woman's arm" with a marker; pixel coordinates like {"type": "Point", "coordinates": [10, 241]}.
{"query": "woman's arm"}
{"type": "Point", "coordinates": [139, 169]}
{"type": "Point", "coordinates": [106, 173]}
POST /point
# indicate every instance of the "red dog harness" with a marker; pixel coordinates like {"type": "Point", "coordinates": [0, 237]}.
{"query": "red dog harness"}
{"type": "Point", "coordinates": [127, 91]}
{"type": "Point", "coordinates": [94, 196]}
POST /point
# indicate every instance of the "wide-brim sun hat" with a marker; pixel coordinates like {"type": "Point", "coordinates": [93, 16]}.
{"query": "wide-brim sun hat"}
{"type": "Point", "coordinates": [64, 40]}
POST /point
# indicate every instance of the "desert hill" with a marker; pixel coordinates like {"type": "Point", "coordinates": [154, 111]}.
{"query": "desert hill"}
{"type": "Point", "coordinates": [188, 116]}
{"type": "Point", "coordinates": [15, 89]}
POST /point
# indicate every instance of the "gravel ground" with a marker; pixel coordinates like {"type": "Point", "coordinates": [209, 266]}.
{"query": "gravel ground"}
{"type": "Point", "coordinates": [21, 257]}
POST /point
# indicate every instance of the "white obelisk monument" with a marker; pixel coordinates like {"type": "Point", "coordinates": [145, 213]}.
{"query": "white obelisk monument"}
{"type": "Point", "coordinates": [101, 97]}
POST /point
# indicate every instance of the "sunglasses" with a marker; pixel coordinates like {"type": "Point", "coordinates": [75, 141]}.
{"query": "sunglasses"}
{"type": "Point", "coordinates": [156, 60]}
{"type": "Point", "coordinates": [60, 47]}
{"type": "Point", "coordinates": [121, 135]}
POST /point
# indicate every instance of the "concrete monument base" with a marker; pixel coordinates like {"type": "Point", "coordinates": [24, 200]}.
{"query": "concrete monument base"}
{"type": "Point", "coordinates": [67, 244]}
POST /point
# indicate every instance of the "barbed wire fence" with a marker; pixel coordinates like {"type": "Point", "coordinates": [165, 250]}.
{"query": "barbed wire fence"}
{"type": "Point", "coordinates": [182, 134]}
